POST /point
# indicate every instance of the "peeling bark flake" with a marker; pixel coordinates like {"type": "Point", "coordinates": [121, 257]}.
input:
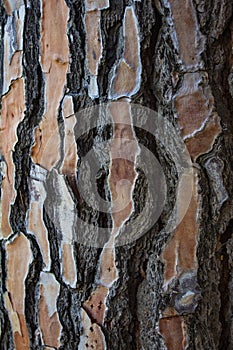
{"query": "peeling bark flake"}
{"type": "Point", "coordinates": [127, 75]}
{"type": "Point", "coordinates": [54, 60]}
{"type": "Point", "coordinates": [92, 5]}
{"type": "Point", "coordinates": [95, 305]}
{"type": "Point", "coordinates": [64, 219]}
{"type": "Point", "coordinates": [69, 164]}
{"type": "Point", "coordinates": [190, 40]}
{"type": "Point", "coordinates": [13, 46]}
{"type": "Point", "coordinates": [12, 5]}
{"type": "Point", "coordinates": [48, 316]}
{"type": "Point", "coordinates": [19, 257]}
{"type": "Point", "coordinates": [12, 114]}
{"type": "Point", "coordinates": [180, 253]}
{"type": "Point", "coordinates": [94, 50]}
{"type": "Point", "coordinates": [92, 337]}
{"type": "Point", "coordinates": [172, 330]}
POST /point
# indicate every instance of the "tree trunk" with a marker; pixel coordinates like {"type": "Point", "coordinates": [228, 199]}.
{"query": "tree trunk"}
{"type": "Point", "coordinates": [116, 182]}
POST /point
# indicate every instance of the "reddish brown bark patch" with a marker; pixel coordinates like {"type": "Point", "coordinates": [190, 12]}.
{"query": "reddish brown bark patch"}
{"type": "Point", "coordinates": [190, 41]}
{"type": "Point", "coordinates": [172, 331]}
{"type": "Point", "coordinates": [180, 253]}
{"type": "Point", "coordinates": [95, 305]}
{"type": "Point", "coordinates": [203, 142]}
{"type": "Point", "coordinates": [92, 337]}
{"type": "Point", "coordinates": [94, 47]}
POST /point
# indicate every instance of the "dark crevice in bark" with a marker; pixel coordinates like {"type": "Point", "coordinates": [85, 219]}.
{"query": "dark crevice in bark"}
{"type": "Point", "coordinates": [207, 327]}
{"type": "Point", "coordinates": [112, 41]}
{"type": "Point", "coordinates": [224, 287]}
{"type": "Point", "coordinates": [3, 19]}
{"type": "Point", "coordinates": [137, 273]}
{"type": "Point", "coordinates": [77, 42]}
{"type": "Point", "coordinates": [54, 237]}
{"type": "Point", "coordinates": [67, 310]}
{"type": "Point", "coordinates": [120, 337]}
{"type": "Point", "coordinates": [90, 215]}
{"type": "Point", "coordinates": [150, 23]}
{"type": "Point", "coordinates": [3, 267]}
{"type": "Point", "coordinates": [87, 261]}
{"type": "Point", "coordinates": [32, 294]}
{"type": "Point", "coordinates": [6, 336]}
{"type": "Point", "coordinates": [34, 94]}
{"type": "Point", "coordinates": [61, 129]}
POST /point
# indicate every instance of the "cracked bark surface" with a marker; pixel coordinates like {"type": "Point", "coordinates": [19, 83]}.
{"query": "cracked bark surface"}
{"type": "Point", "coordinates": [63, 286]}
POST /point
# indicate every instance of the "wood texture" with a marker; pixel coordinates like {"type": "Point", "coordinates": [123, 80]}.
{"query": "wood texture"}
{"type": "Point", "coordinates": [71, 74]}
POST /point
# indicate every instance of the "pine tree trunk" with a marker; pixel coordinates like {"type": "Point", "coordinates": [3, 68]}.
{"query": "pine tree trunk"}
{"type": "Point", "coordinates": [116, 174]}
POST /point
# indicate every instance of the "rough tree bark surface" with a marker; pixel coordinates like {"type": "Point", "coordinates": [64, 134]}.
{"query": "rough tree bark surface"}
{"type": "Point", "coordinates": [63, 287]}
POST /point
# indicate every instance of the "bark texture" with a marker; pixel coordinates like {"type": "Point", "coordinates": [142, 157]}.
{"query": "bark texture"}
{"type": "Point", "coordinates": [69, 286]}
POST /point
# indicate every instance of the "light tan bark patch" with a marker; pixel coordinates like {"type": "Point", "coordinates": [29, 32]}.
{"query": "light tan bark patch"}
{"type": "Point", "coordinates": [127, 78]}
{"type": "Point", "coordinates": [95, 305]}
{"type": "Point", "coordinates": [92, 337]}
{"type": "Point", "coordinates": [70, 149]}
{"type": "Point", "coordinates": [68, 264]}
{"type": "Point", "coordinates": [54, 60]}
{"type": "Point", "coordinates": [12, 114]}
{"type": "Point", "coordinates": [48, 316]}
{"type": "Point", "coordinates": [96, 4]}
{"type": "Point", "coordinates": [19, 257]}
{"type": "Point", "coordinates": [108, 270]}
{"type": "Point", "coordinates": [36, 223]}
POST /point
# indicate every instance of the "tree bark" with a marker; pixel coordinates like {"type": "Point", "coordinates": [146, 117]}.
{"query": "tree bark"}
{"type": "Point", "coordinates": [116, 174]}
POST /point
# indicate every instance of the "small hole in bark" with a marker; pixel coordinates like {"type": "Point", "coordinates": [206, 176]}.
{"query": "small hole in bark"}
{"type": "Point", "coordinates": [91, 329]}
{"type": "Point", "coordinates": [87, 345]}
{"type": "Point", "coordinates": [109, 269]}
{"type": "Point", "coordinates": [92, 306]}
